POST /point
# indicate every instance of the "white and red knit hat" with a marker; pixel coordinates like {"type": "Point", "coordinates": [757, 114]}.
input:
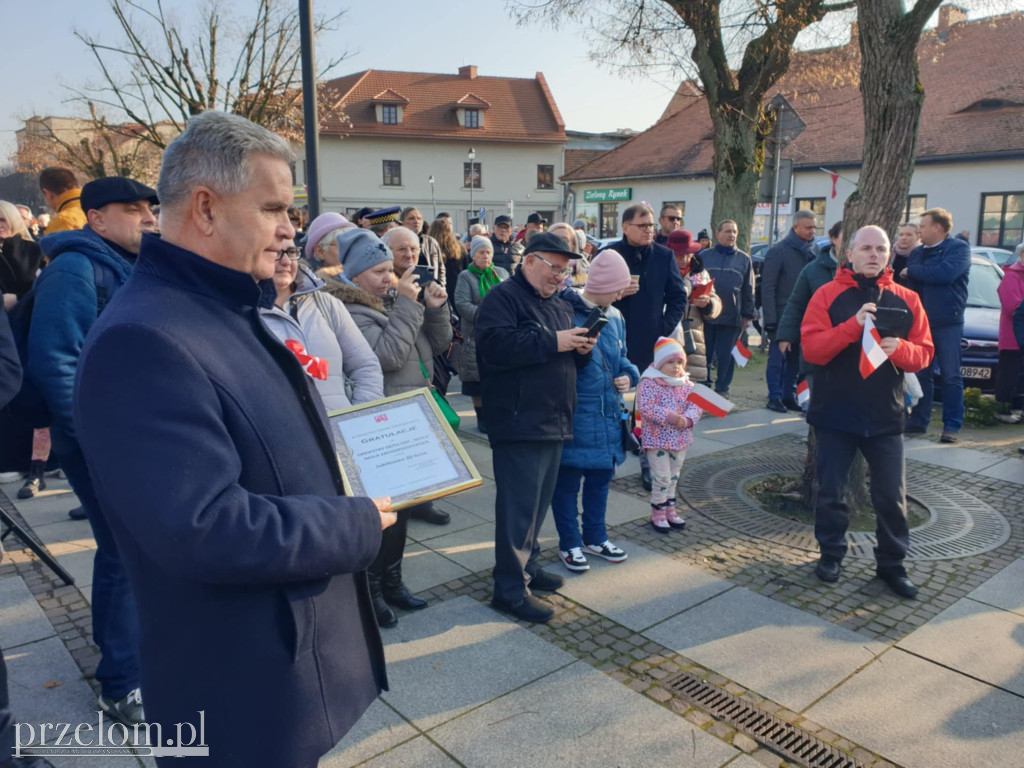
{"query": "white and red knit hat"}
{"type": "Point", "coordinates": [665, 350]}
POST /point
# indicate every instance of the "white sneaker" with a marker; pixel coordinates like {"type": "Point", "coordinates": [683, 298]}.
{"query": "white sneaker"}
{"type": "Point", "coordinates": [608, 551]}
{"type": "Point", "coordinates": [1013, 417]}
{"type": "Point", "coordinates": [11, 477]}
{"type": "Point", "coordinates": [574, 559]}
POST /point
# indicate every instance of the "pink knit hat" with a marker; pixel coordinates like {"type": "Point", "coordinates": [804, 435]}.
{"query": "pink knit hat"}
{"type": "Point", "coordinates": [665, 350]}
{"type": "Point", "coordinates": [322, 226]}
{"type": "Point", "coordinates": [608, 273]}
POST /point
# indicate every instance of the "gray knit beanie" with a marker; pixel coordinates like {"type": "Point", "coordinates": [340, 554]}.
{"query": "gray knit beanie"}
{"type": "Point", "coordinates": [360, 250]}
{"type": "Point", "coordinates": [479, 242]}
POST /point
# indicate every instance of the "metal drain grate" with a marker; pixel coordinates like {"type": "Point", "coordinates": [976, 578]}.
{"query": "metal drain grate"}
{"type": "Point", "coordinates": [769, 731]}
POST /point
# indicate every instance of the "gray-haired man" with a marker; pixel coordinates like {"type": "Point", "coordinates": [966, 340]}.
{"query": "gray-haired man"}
{"type": "Point", "coordinates": [212, 456]}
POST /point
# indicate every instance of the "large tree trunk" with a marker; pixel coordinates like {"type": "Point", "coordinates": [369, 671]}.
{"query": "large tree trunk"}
{"type": "Point", "coordinates": [892, 97]}
{"type": "Point", "coordinates": [857, 493]}
{"type": "Point", "coordinates": [739, 156]}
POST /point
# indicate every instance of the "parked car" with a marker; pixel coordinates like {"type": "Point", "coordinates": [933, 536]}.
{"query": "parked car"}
{"type": "Point", "coordinates": [980, 342]}
{"type": "Point", "coordinates": [996, 255]}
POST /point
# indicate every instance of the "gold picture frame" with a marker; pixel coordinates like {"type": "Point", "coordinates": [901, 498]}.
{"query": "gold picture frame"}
{"type": "Point", "coordinates": [402, 447]}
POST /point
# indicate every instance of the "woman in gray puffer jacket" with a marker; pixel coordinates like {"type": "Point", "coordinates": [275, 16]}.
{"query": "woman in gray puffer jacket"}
{"type": "Point", "coordinates": [311, 323]}
{"type": "Point", "coordinates": [402, 336]}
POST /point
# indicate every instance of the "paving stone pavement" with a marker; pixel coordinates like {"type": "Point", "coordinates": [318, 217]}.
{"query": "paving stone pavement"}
{"type": "Point", "coordinates": [745, 614]}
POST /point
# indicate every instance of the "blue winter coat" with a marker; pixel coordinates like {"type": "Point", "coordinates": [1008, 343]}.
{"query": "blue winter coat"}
{"type": "Point", "coordinates": [65, 309]}
{"type": "Point", "coordinates": [214, 464]}
{"type": "Point", "coordinates": [733, 273]}
{"type": "Point", "coordinates": [940, 273]}
{"type": "Point", "coordinates": [596, 437]}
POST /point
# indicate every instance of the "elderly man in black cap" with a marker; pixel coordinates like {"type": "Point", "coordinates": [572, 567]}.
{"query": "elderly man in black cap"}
{"type": "Point", "coordinates": [534, 222]}
{"type": "Point", "coordinates": [69, 295]}
{"type": "Point", "coordinates": [528, 350]}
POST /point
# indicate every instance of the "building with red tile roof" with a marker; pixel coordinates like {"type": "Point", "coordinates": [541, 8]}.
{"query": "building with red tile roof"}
{"type": "Point", "coordinates": [405, 129]}
{"type": "Point", "coordinates": [970, 155]}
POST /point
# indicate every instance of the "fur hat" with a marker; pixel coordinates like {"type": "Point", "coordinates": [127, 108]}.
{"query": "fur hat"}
{"type": "Point", "coordinates": [608, 273]}
{"type": "Point", "coordinates": [667, 349]}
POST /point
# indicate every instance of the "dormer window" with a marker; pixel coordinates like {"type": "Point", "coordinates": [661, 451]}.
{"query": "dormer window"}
{"type": "Point", "coordinates": [389, 114]}
{"type": "Point", "coordinates": [469, 111]}
{"type": "Point", "coordinates": [388, 106]}
{"type": "Point", "coordinates": [472, 118]}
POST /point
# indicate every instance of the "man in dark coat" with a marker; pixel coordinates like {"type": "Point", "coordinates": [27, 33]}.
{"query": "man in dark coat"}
{"type": "Point", "coordinates": [653, 305]}
{"type": "Point", "coordinates": [939, 269]}
{"type": "Point", "coordinates": [528, 350]}
{"type": "Point", "coordinates": [782, 265]}
{"type": "Point", "coordinates": [507, 252]}
{"type": "Point", "coordinates": [850, 412]}
{"type": "Point", "coordinates": [733, 273]}
{"type": "Point", "coordinates": [212, 456]}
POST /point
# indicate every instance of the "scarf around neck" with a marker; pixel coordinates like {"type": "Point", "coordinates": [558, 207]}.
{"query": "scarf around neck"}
{"type": "Point", "coordinates": [654, 373]}
{"type": "Point", "coordinates": [488, 278]}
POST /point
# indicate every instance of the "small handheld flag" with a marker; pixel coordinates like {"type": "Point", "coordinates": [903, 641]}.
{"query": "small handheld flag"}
{"type": "Point", "coordinates": [740, 353]}
{"type": "Point", "coordinates": [803, 392]}
{"type": "Point", "coordinates": [709, 401]}
{"type": "Point", "coordinates": [871, 353]}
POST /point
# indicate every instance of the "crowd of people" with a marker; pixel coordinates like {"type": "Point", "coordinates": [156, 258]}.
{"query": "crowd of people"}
{"type": "Point", "coordinates": [189, 414]}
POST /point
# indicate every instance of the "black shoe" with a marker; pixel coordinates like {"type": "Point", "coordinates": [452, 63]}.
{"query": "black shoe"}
{"type": "Point", "coordinates": [777, 406]}
{"type": "Point", "coordinates": [35, 482]}
{"type": "Point", "coordinates": [546, 581]}
{"type": "Point", "coordinates": [645, 478]}
{"type": "Point", "coordinates": [480, 424]}
{"type": "Point", "coordinates": [428, 513]}
{"type": "Point", "coordinates": [385, 616]}
{"type": "Point", "coordinates": [529, 609]}
{"type": "Point", "coordinates": [898, 581]}
{"type": "Point", "coordinates": [78, 513]}
{"type": "Point", "coordinates": [914, 429]}
{"type": "Point", "coordinates": [828, 569]}
{"type": "Point", "coordinates": [1021, 449]}
{"type": "Point", "coordinates": [396, 593]}
{"type": "Point", "coordinates": [792, 405]}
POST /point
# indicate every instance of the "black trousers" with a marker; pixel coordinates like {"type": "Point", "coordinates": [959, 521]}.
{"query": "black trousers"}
{"type": "Point", "coordinates": [7, 733]}
{"type": "Point", "coordinates": [884, 456]}
{"type": "Point", "coordinates": [392, 544]}
{"type": "Point", "coordinates": [525, 475]}
{"type": "Point", "coordinates": [1008, 376]}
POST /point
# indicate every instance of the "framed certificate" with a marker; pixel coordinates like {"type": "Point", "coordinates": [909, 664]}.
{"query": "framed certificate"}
{"type": "Point", "coordinates": [401, 447]}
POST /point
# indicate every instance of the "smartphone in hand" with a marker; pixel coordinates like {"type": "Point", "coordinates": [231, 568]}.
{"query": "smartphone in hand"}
{"type": "Point", "coordinates": [424, 274]}
{"type": "Point", "coordinates": [596, 320]}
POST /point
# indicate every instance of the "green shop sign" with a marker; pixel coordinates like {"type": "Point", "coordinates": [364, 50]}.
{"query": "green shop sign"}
{"type": "Point", "coordinates": [607, 195]}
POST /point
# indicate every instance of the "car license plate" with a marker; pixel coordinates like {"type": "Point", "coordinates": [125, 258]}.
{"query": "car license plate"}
{"type": "Point", "coordinates": [969, 372]}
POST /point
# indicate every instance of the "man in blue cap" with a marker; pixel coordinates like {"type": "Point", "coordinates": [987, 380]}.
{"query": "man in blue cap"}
{"type": "Point", "coordinates": [383, 220]}
{"type": "Point", "coordinates": [86, 268]}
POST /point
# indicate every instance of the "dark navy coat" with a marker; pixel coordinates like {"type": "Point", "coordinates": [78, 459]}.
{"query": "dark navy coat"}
{"type": "Point", "coordinates": [940, 274]}
{"type": "Point", "coordinates": [212, 460]}
{"type": "Point", "coordinates": [10, 363]}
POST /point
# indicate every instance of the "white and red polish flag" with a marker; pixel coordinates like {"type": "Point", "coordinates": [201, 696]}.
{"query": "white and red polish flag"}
{"type": "Point", "coordinates": [740, 353]}
{"type": "Point", "coordinates": [709, 401]}
{"type": "Point", "coordinates": [871, 353]}
{"type": "Point", "coordinates": [803, 392]}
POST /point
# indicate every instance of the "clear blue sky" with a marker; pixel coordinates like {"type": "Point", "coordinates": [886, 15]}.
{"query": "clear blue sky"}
{"type": "Point", "coordinates": [402, 35]}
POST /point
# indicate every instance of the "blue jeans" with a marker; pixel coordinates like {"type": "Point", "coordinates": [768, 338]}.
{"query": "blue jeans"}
{"type": "Point", "coordinates": [595, 504]}
{"type": "Point", "coordinates": [782, 371]}
{"type": "Point", "coordinates": [719, 341]}
{"type": "Point", "coordinates": [115, 623]}
{"type": "Point", "coordinates": [947, 362]}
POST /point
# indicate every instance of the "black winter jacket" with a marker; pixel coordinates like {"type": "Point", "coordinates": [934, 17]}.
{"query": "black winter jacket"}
{"type": "Point", "coordinates": [10, 364]}
{"type": "Point", "coordinates": [658, 306]}
{"type": "Point", "coordinates": [782, 265]}
{"type": "Point", "coordinates": [528, 385]}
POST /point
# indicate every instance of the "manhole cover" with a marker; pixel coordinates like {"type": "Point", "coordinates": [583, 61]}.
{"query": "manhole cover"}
{"type": "Point", "coordinates": [959, 525]}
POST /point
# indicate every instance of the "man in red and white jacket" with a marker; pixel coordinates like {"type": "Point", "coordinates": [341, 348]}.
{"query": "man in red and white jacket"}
{"type": "Point", "coordinates": [850, 412]}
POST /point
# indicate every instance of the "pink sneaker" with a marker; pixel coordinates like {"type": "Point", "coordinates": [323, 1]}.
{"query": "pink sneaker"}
{"type": "Point", "coordinates": [671, 517]}
{"type": "Point", "coordinates": [658, 518]}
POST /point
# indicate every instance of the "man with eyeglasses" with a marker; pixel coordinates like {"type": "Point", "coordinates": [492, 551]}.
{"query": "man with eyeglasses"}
{"type": "Point", "coordinates": [670, 220]}
{"type": "Point", "coordinates": [529, 351]}
{"type": "Point", "coordinates": [87, 267]}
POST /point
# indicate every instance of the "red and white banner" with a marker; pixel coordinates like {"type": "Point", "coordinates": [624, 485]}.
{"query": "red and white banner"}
{"type": "Point", "coordinates": [709, 401]}
{"type": "Point", "coordinates": [315, 366]}
{"type": "Point", "coordinates": [740, 353]}
{"type": "Point", "coordinates": [803, 392]}
{"type": "Point", "coordinates": [871, 353]}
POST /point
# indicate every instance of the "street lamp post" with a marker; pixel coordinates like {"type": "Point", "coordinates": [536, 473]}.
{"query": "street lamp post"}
{"type": "Point", "coordinates": [433, 203]}
{"type": "Point", "coordinates": [472, 182]}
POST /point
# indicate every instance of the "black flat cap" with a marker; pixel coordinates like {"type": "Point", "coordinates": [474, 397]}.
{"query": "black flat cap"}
{"type": "Point", "coordinates": [115, 189]}
{"type": "Point", "coordinates": [546, 242]}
